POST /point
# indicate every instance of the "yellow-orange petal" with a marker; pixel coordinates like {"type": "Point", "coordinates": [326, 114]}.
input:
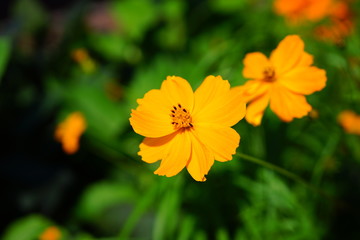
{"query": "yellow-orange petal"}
{"type": "Point", "coordinates": [287, 104]}
{"type": "Point", "coordinates": [347, 120]}
{"type": "Point", "coordinates": [304, 80]}
{"type": "Point", "coordinates": [222, 141]}
{"type": "Point", "coordinates": [254, 65]}
{"type": "Point", "coordinates": [253, 89]}
{"type": "Point", "coordinates": [298, 11]}
{"type": "Point", "coordinates": [350, 121]}
{"type": "Point", "coordinates": [155, 149]}
{"type": "Point", "coordinates": [288, 54]}
{"type": "Point", "coordinates": [69, 132]}
{"type": "Point", "coordinates": [178, 155]}
{"type": "Point", "coordinates": [318, 9]}
{"type": "Point", "coordinates": [216, 103]}
{"type": "Point", "coordinates": [178, 91]}
{"type": "Point", "coordinates": [201, 160]}
{"type": "Point", "coordinates": [255, 110]}
{"type": "Point", "coordinates": [51, 233]}
{"type": "Point", "coordinates": [288, 8]}
{"type": "Point", "coordinates": [212, 87]}
{"type": "Point", "coordinates": [70, 144]}
{"type": "Point", "coordinates": [306, 60]}
{"type": "Point", "coordinates": [152, 117]}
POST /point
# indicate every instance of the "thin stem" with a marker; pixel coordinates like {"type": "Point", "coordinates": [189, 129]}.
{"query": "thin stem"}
{"type": "Point", "coordinates": [327, 151]}
{"type": "Point", "coordinates": [282, 171]}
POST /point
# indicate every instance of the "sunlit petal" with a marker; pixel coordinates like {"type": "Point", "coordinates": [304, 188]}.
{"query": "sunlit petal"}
{"type": "Point", "coordinates": [154, 149]}
{"type": "Point", "coordinates": [216, 103]}
{"type": "Point", "coordinates": [288, 54]}
{"type": "Point", "coordinates": [222, 141]}
{"type": "Point", "coordinates": [201, 160]}
{"type": "Point", "coordinates": [288, 105]}
{"type": "Point", "coordinates": [178, 91]}
{"type": "Point", "coordinates": [304, 80]}
{"type": "Point", "coordinates": [255, 110]}
{"type": "Point", "coordinates": [253, 89]}
{"type": "Point", "coordinates": [177, 156]}
{"type": "Point", "coordinates": [152, 117]}
{"type": "Point", "coordinates": [306, 60]}
{"type": "Point", "coordinates": [254, 65]}
{"type": "Point", "coordinates": [211, 88]}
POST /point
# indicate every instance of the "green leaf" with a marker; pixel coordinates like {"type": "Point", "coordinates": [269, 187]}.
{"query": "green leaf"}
{"type": "Point", "coordinates": [5, 47]}
{"type": "Point", "coordinates": [187, 228]}
{"type": "Point", "coordinates": [135, 16]}
{"type": "Point", "coordinates": [142, 206]}
{"type": "Point", "coordinates": [100, 197]}
{"type": "Point", "coordinates": [274, 211]}
{"type": "Point", "coordinates": [28, 228]}
{"type": "Point", "coordinates": [166, 224]}
{"type": "Point", "coordinates": [104, 117]}
{"type": "Point", "coordinates": [228, 5]}
{"type": "Point", "coordinates": [111, 45]}
{"type": "Point", "coordinates": [84, 236]}
{"type": "Point", "coordinates": [30, 14]}
{"type": "Point", "coordinates": [222, 234]}
{"type": "Point", "coordinates": [173, 9]}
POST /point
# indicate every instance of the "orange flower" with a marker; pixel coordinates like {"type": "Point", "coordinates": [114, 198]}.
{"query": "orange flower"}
{"type": "Point", "coordinates": [82, 57]}
{"type": "Point", "coordinates": [282, 80]}
{"type": "Point", "coordinates": [350, 121]}
{"type": "Point", "coordinates": [297, 11]}
{"type": "Point", "coordinates": [69, 131]}
{"type": "Point", "coordinates": [51, 233]}
{"type": "Point", "coordinates": [188, 129]}
{"type": "Point", "coordinates": [341, 24]}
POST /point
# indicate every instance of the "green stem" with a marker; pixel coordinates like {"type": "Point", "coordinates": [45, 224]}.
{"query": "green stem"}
{"type": "Point", "coordinates": [140, 208]}
{"type": "Point", "coordinates": [282, 171]}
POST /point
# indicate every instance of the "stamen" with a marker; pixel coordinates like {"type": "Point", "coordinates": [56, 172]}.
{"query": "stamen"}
{"type": "Point", "coordinates": [269, 74]}
{"type": "Point", "coordinates": [180, 117]}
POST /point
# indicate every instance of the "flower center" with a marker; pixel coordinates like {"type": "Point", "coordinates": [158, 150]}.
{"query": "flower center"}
{"type": "Point", "coordinates": [269, 74]}
{"type": "Point", "coordinates": [180, 117]}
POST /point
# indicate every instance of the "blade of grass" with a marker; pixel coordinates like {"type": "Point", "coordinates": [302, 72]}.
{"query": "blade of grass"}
{"type": "Point", "coordinates": [139, 210]}
{"type": "Point", "coordinates": [282, 171]}
{"type": "Point", "coordinates": [5, 46]}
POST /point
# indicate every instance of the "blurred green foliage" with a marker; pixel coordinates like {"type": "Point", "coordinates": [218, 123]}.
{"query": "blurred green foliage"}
{"type": "Point", "coordinates": [133, 46]}
{"type": "Point", "coordinates": [5, 48]}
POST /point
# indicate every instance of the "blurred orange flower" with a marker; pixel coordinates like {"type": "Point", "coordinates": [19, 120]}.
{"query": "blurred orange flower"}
{"type": "Point", "coordinates": [297, 11]}
{"type": "Point", "coordinates": [340, 26]}
{"type": "Point", "coordinates": [188, 129]}
{"type": "Point", "coordinates": [51, 233]}
{"type": "Point", "coordinates": [282, 80]}
{"type": "Point", "coordinates": [350, 121]}
{"type": "Point", "coordinates": [69, 131]}
{"type": "Point", "coordinates": [81, 56]}
{"type": "Point", "coordinates": [340, 20]}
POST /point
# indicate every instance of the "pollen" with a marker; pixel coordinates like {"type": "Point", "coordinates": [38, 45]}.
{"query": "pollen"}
{"type": "Point", "coordinates": [180, 117]}
{"type": "Point", "coordinates": [269, 74]}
